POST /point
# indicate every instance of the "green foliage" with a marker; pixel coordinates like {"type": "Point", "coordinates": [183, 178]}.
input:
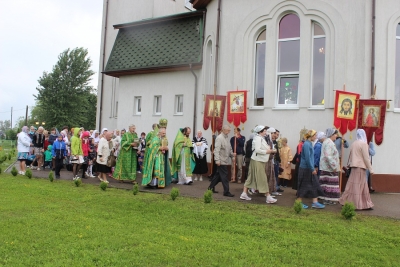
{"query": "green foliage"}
{"type": "Point", "coordinates": [28, 173]}
{"type": "Point", "coordinates": [135, 189]}
{"type": "Point", "coordinates": [64, 95]}
{"type": "Point", "coordinates": [174, 193]}
{"type": "Point", "coordinates": [14, 171]}
{"type": "Point", "coordinates": [103, 186]}
{"type": "Point", "coordinates": [9, 156]}
{"type": "Point", "coordinates": [298, 206]}
{"type": "Point", "coordinates": [51, 176]}
{"type": "Point", "coordinates": [78, 182]}
{"type": "Point", "coordinates": [208, 196]}
{"type": "Point", "coordinates": [11, 134]}
{"type": "Point", "coordinates": [348, 210]}
{"type": "Point", "coordinates": [1, 170]}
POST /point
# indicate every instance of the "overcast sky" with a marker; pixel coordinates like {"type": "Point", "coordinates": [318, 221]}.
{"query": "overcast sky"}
{"type": "Point", "coordinates": [32, 35]}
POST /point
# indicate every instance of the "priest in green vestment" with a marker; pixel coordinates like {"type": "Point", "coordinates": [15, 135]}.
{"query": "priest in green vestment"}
{"type": "Point", "coordinates": [182, 157]}
{"type": "Point", "coordinates": [125, 168]}
{"type": "Point", "coordinates": [156, 167]}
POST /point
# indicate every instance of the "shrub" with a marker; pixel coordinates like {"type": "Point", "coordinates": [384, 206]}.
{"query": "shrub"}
{"type": "Point", "coordinates": [0, 170]}
{"type": "Point", "coordinates": [103, 186]}
{"type": "Point", "coordinates": [348, 210]}
{"type": "Point", "coordinates": [9, 156]}
{"type": "Point", "coordinates": [135, 189]}
{"type": "Point", "coordinates": [208, 196]}
{"type": "Point", "coordinates": [14, 171]}
{"type": "Point", "coordinates": [174, 193]}
{"type": "Point", "coordinates": [78, 182]}
{"type": "Point", "coordinates": [298, 206]}
{"type": "Point", "coordinates": [51, 176]}
{"type": "Point", "coordinates": [28, 173]}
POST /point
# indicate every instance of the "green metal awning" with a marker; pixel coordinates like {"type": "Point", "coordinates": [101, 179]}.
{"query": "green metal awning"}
{"type": "Point", "coordinates": [160, 44]}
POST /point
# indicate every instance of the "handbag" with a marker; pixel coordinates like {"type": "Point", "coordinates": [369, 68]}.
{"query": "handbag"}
{"type": "Point", "coordinates": [347, 169]}
{"type": "Point", "coordinates": [111, 160]}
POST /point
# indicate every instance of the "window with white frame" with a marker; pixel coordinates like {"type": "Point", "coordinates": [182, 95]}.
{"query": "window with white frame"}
{"type": "Point", "coordinates": [157, 105]}
{"type": "Point", "coordinates": [288, 61]}
{"type": "Point", "coordinates": [318, 69]}
{"type": "Point", "coordinates": [258, 95]}
{"type": "Point", "coordinates": [397, 70]}
{"type": "Point", "coordinates": [137, 105]}
{"type": "Point", "coordinates": [178, 105]}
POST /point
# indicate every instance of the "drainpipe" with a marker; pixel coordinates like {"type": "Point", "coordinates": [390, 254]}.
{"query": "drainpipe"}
{"type": "Point", "coordinates": [195, 101]}
{"type": "Point", "coordinates": [102, 67]}
{"type": "Point", "coordinates": [373, 49]}
{"type": "Point", "coordinates": [216, 55]}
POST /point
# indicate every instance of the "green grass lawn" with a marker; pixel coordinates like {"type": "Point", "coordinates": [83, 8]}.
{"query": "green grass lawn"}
{"type": "Point", "coordinates": [6, 147]}
{"type": "Point", "coordinates": [58, 224]}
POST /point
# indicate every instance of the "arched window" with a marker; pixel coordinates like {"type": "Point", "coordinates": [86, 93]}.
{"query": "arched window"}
{"type": "Point", "coordinates": [397, 70]}
{"type": "Point", "coordinates": [288, 60]}
{"type": "Point", "coordinates": [260, 70]}
{"type": "Point", "coordinates": [318, 67]}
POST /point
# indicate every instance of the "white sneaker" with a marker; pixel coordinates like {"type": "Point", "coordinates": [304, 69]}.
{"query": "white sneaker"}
{"type": "Point", "coordinates": [201, 179]}
{"type": "Point", "coordinates": [270, 200]}
{"type": "Point", "coordinates": [251, 191]}
{"type": "Point", "coordinates": [195, 179]}
{"type": "Point", "coordinates": [276, 194]}
{"type": "Point", "coordinates": [244, 196]}
{"type": "Point", "coordinates": [22, 173]}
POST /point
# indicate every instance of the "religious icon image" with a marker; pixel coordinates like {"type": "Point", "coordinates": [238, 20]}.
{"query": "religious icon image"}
{"type": "Point", "coordinates": [236, 102]}
{"type": "Point", "coordinates": [214, 108]}
{"type": "Point", "coordinates": [346, 106]}
{"type": "Point", "coordinates": [371, 115]}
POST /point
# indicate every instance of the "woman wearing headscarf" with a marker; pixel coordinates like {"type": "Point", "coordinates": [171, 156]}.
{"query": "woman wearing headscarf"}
{"type": "Point", "coordinates": [329, 167]}
{"type": "Point", "coordinates": [308, 185]}
{"type": "Point", "coordinates": [257, 177]}
{"type": "Point", "coordinates": [23, 146]}
{"type": "Point", "coordinates": [356, 188]}
{"type": "Point", "coordinates": [317, 150]}
{"type": "Point", "coordinates": [270, 170]}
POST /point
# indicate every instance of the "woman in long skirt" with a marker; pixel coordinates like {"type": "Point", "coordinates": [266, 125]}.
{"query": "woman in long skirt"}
{"type": "Point", "coordinates": [308, 184]}
{"type": "Point", "coordinates": [357, 190]}
{"type": "Point", "coordinates": [257, 177]}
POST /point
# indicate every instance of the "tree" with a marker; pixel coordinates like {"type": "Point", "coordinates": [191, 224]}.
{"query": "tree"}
{"type": "Point", "coordinates": [64, 95]}
{"type": "Point", "coordinates": [5, 125]}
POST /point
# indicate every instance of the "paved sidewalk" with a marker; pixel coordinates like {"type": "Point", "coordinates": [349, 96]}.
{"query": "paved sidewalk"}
{"type": "Point", "coordinates": [386, 205]}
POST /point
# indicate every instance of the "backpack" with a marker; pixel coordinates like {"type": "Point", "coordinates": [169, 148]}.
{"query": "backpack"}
{"type": "Point", "coordinates": [248, 148]}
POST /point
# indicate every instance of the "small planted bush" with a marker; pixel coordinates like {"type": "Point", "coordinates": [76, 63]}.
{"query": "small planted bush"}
{"type": "Point", "coordinates": [208, 196]}
{"type": "Point", "coordinates": [174, 193]}
{"type": "Point", "coordinates": [9, 156]}
{"type": "Point", "coordinates": [298, 206]}
{"type": "Point", "coordinates": [348, 210]}
{"type": "Point", "coordinates": [78, 182]}
{"type": "Point", "coordinates": [103, 186]}
{"type": "Point", "coordinates": [14, 171]}
{"type": "Point", "coordinates": [28, 173]}
{"type": "Point", "coordinates": [51, 176]}
{"type": "Point", "coordinates": [135, 189]}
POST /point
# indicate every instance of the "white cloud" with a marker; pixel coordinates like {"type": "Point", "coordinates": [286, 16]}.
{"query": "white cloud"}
{"type": "Point", "coordinates": [33, 34]}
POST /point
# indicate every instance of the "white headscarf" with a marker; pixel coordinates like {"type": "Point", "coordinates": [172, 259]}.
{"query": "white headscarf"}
{"type": "Point", "coordinates": [320, 135]}
{"type": "Point", "coordinates": [102, 131]}
{"type": "Point", "coordinates": [96, 139]}
{"type": "Point", "coordinates": [361, 135]}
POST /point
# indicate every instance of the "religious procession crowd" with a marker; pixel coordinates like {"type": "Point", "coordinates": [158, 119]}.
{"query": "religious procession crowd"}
{"type": "Point", "coordinates": [264, 160]}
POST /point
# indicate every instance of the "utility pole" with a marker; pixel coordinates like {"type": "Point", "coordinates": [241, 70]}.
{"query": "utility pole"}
{"type": "Point", "coordinates": [26, 116]}
{"type": "Point", "coordinates": [11, 118]}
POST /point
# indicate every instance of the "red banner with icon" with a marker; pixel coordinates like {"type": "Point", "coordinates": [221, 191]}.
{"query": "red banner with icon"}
{"type": "Point", "coordinates": [345, 112]}
{"type": "Point", "coordinates": [371, 118]}
{"type": "Point", "coordinates": [237, 107]}
{"type": "Point", "coordinates": [214, 112]}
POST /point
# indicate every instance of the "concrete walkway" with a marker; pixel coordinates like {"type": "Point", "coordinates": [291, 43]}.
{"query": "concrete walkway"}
{"type": "Point", "coordinates": [386, 205]}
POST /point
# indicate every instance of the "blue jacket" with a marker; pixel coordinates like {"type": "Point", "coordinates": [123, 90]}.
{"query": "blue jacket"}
{"type": "Point", "coordinates": [59, 149]}
{"type": "Point", "coordinates": [239, 144]}
{"type": "Point", "coordinates": [307, 156]}
{"type": "Point", "coordinates": [317, 154]}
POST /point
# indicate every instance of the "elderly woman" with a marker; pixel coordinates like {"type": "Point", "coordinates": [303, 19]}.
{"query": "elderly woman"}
{"type": "Point", "coordinates": [200, 154]}
{"type": "Point", "coordinates": [356, 188]}
{"type": "Point", "coordinates": [104, 150]}
{"type": "Point", "coordinates": [308, 185]}
{"type": "Point", "coordinates": [23, 146]}
{"type": "Point", "coordinates": [329, 167]}
{"type": "Point", "coordinates": [257, 177]}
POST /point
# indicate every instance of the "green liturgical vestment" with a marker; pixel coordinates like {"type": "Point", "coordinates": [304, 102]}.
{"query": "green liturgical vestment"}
{"type": "Point", "coordinates": [125, 168]}
{"type": "Point", "coordinates": [178, 151]}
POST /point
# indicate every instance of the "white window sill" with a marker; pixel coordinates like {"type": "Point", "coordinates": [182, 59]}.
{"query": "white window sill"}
{"type": "Point", "coordinates": [157, 114]}
{"type": "Point", "coordinates": [316, 108]}
{"type": "Point", "coordinates": [286, 108]}
{"type": "Point", "coordinates": [396, 110]}
{"type": "Point", "coordinates": [178, 114]}
{"type": "Point", "coordinates": [257, 108]}
{"type": "Point", "coordinates": [137, 114]}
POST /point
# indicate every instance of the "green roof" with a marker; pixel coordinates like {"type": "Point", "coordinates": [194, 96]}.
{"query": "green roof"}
{"type": "Point", "coordinates": [155, 45]}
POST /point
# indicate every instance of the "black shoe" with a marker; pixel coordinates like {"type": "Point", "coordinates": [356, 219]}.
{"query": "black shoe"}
{"type": "Point", "coordinates": [371, 190]}
{"type": "Point", "coordinates": [57, 176]}
{"type": "Point", "coordinates": [213, 190]}
{"type": "Point", "coordinates": [280, 190]}
{"type": "Point", "coordinates": [228, 195]}
{"type": "Point", "coordinates": [174, 181]}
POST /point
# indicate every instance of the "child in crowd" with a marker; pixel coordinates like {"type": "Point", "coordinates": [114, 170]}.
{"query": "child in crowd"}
{"type": "Point", "coordinates": [48, 157]}
{"type": "Point", "coordinates": [286, 161]}
{"type": "Point", "coordinates": [141, 150]}
{"type": "Point", "coordinates": [59, 152]}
